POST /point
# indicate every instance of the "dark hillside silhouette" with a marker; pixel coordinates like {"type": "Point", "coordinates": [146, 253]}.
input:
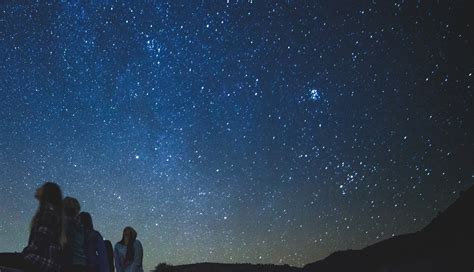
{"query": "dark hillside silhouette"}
{"type": "Point", "coordinates": [446, 244]}
{"type": "Point", "coordinates": [217, 267]}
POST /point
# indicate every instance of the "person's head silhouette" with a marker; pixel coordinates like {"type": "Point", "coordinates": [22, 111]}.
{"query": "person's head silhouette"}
{"type": "Point", "coordinates": [71, 206]}
{"type": "Point", "coordinates": [49, 193]}
{"type": "Point", "coordinates": [129, 235]}
{"type": "Point", "coordinates": [86, 221]}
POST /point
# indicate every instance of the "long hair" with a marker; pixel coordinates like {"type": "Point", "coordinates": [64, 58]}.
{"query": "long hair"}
{"type": "Point", "coordinates": [53, 196]}
{"type": "Point", "coordinates": [86, 221]}
{"type": "Point", "coordinates": [72, 207]}
{"type": "Point", "coordinates": [130, 250]}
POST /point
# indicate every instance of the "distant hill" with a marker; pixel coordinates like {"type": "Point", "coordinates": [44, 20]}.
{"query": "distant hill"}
{"type": "Point", "coordinates": [446, 244]}
{"type": "Point", "coordinates": [217, 267]}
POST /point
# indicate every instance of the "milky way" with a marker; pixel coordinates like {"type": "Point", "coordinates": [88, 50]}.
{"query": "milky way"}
{"type": "Point", "coordinates": [237, 131]}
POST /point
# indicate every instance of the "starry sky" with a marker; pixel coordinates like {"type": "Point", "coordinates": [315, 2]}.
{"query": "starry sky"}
{"type": "Point", "coordinates": [237, 131]}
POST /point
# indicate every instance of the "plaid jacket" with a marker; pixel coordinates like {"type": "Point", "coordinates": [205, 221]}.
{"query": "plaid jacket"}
{"type": "Point", "coordinates": [43, 250]}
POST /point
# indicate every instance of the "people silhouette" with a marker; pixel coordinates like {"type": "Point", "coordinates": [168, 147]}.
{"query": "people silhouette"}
{"type": "Point", "coordinates": [128, 252]}
{"type": "Point", "coordinates": [110, 255]}
{"type": "Point", "coordinates": [43, 252]}
{"type": "Point", "coordinates": [74, 257]}
{"type": "Point", "coordinates": [95, 250]}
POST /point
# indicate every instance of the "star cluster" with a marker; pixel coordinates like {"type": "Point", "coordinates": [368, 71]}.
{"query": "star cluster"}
{"type": "Point", "coordinates": [237, 131]}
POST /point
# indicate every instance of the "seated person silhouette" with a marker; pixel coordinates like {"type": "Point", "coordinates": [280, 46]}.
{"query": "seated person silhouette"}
{"type": "Point", "coordinates": [128, 252]}
{"type": "Point", "coordinates": [43, 252]}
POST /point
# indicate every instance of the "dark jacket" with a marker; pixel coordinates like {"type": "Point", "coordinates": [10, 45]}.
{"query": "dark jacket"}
{"type": "Point", "coordinates": [96, 253]}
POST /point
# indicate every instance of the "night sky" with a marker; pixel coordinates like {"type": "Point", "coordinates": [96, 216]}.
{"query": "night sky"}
{"type": "Point", "coordinates": [237, 131]}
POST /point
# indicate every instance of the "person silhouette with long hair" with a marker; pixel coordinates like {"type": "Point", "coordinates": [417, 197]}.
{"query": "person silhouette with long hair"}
{"type": "Point", "coordinates": [96, 253]}
{"type": "Point", "coordinates": [43, 252]}
{"type": "Point", "coordinates": [74, 258]}
{"type": "Point", "coordinates": [129, 252]}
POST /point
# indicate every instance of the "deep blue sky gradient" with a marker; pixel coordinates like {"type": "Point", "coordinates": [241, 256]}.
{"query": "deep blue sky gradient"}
{"type": "Point", "coordinates": [248, 131]}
